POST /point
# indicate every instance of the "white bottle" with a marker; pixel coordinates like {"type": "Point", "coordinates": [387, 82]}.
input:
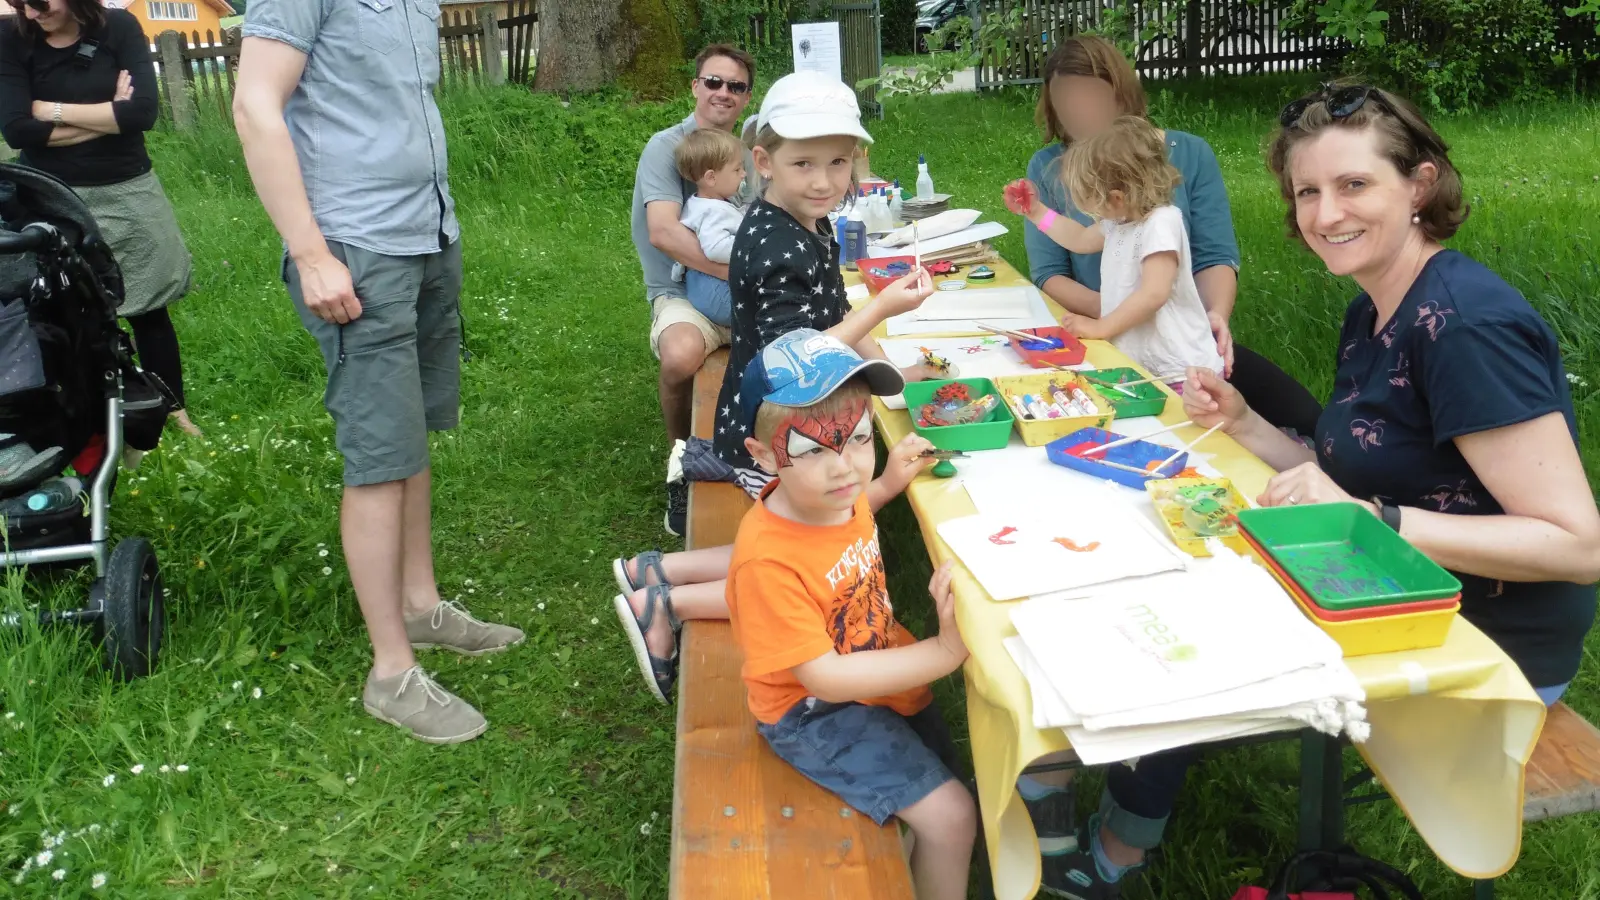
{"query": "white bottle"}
{"type": "Point", "coordinates": [896, 209]}
{"type": "Point", "coordinates": [924, 180]}
{"type": "Point", "coordinates": [880, 208]}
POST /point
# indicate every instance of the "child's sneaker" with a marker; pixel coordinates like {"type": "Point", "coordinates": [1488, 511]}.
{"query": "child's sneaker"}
{"type": "Point", "coordinates": [417, 704]}
{"type": "Point", "coordinates": [1055, 820]}
{"type": "Point", "coordinates": [1076, 875]}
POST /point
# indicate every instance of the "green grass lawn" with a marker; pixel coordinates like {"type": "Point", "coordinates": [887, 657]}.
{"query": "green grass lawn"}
{"type": "Point", "coordinates": [262, 777]}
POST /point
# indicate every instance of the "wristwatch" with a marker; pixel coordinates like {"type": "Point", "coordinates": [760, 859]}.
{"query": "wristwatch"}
{"type": "Point", "coordinates": [1389, 514]}
{"type": "Point", "coordinates": [56, 117]}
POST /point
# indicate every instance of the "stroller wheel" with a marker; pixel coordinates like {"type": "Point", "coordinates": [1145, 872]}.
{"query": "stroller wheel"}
{"type": "Point", "coordinates": [134, 620]}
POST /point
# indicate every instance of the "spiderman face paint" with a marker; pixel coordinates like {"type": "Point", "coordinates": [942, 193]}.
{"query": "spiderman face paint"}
{"type": "Point", "coordinates": [804, 434]}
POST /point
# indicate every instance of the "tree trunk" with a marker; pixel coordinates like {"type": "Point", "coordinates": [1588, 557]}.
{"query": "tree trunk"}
{"type": "Point", "coordinates": [585, 45]}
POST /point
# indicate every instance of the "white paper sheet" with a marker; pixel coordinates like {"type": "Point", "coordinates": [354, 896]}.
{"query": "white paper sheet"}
{"type": "Point", "coordinates": [986, 356]}
{"type": "Point", "coordinates": [1038, 316]}
{"type": "Point", "coordinates": [935, 226]}
{"type": "Point", "coordinates": [929, 247]}
{"type": "Point", "coordinates": [978, 304]}
{"type": "Point", "coordinates": [1229, 627]}
{"type": "Point", "coordinates": [816, 48]}
{"type": "Point", "coordinates": [1046, 549]}
{"type": "Point", "coordinates": [1103, 747]}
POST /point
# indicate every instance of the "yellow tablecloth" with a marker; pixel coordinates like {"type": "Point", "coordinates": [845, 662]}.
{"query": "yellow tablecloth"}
{"type": "Point", "coordinates": [1452, 727]}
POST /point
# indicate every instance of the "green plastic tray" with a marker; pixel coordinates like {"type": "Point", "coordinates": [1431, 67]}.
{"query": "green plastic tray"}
{"type": "Point", "coordinates": [990, 435]}
{"type": "Point", "coordinates": [1148, 399]}
{"type": "Point", "coordinates": [1345, 557]}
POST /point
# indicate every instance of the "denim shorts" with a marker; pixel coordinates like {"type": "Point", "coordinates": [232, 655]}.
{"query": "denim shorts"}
{"type": "Point", "coordinates": [710, 297]}
{"type": "Point", "coordinates": [873, 758]}
{"type": "Point", "coordinates": [394, 372]}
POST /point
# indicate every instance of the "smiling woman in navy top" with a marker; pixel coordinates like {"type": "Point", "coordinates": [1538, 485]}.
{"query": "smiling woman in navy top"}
{"type": "Point", "coordinates": [1451, 417]}
{"type": "Point", "coordinates": [1088, 83]}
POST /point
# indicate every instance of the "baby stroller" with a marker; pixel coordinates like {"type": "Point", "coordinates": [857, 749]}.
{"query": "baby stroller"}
{"type": "Point", "coordinates": [70, 394]}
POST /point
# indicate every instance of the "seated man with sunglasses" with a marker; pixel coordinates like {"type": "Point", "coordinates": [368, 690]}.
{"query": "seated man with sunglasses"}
{"type": "Point", "coordinates": [680, 337]}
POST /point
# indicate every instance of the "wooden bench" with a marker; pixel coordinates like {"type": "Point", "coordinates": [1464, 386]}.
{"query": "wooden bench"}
{"type": "Point", "coordinates": [745, 825]}
{"type": "Point", "coordinates": [1563, 775]}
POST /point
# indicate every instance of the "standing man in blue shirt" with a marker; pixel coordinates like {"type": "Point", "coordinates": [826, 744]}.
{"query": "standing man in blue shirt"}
{"type": "Point", "coordinates": [372, 260]}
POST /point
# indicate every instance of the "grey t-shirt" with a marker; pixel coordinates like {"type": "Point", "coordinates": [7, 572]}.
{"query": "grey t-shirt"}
{"type": "Point", "coordinates": [658, 179]}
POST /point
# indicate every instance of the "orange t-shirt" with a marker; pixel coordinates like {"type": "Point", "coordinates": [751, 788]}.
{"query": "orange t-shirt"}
{"type": "Point", "coordinates": [797, 591]}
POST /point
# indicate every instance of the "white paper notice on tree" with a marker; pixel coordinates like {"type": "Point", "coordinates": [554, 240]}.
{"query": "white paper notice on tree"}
{"type": "Point", "coordinates": [816, 49]}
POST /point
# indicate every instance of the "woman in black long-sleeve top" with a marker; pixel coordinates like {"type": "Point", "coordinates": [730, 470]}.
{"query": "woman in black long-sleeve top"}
{"type": "Point", "coordinates": [77, 94]}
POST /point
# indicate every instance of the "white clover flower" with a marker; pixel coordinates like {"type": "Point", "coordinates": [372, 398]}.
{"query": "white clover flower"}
{"type": "Point", "coordinates": [182, 767]}
{"type": "Point", "coordinates": [322, 552]}
{"type": "Point", "coordinates": [94, 829]}
{"type": "Point", "coordinates": [327, 570]}
{"type": "Point", "coordinates": [255, 693]}
{"type": "Point", "coordinates": [59, 874]}
{"type": "Point", "coordinates": [237, 685]}
{"type": "Point", "coordinates": [138, 769]}
{"type": "Point", "coordinates": [98, 881]}
{"type": "Point", "coordinates": [349, 779]}
{"type": "Point", "coordinates": [644, 829]}
{"type": "Point", "coordinates": [541, 606]}
{"type": "Point", "coordinates": [108, 781]}
{"type": "Point", "coordinates": [11, 714]}
{"type": "Point", "coordinates": [164, 769]}
{"type": "Point", "coordinates": [43, 859]}
{"type": "Point", "coordinates": [594, 621]}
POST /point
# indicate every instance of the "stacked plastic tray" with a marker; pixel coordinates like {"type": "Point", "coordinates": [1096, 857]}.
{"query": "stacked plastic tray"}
{"type": "Point", "coordinates": [1354, 577]}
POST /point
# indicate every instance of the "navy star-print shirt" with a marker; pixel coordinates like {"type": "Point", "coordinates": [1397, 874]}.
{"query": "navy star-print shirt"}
{"type": "Point", "coordinates": [1463, 353]}
{"type": "Point", "coordinates": [782, 277]}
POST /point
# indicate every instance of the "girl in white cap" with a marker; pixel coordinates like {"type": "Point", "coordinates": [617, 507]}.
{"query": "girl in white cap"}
{"type": "Point", "coordinates": [784, 272]}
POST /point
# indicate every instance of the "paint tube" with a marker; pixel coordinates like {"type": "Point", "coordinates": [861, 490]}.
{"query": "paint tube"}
{"type": "Point", "coordinates": [1016, 406]}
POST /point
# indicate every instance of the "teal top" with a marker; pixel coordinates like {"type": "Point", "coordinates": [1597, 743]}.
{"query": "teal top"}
{"type": "Point", "coordinates": [1200, 195]}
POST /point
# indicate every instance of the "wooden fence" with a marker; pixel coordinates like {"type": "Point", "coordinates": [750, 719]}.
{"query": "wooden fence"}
{"type": "Point", "coordinates": [198, 72]}
{"type": "Point", "coordinates": [1207, 37]}
{"type": "Point", "coordinates": [1174, 38]}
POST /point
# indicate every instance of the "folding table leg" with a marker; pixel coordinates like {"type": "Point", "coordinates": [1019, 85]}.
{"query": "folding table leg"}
{"type": "Point", "coordinates": [1321, 793]}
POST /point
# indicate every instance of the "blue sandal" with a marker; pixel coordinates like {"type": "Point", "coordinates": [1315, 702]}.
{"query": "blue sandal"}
{"type": "Point", "coordinates": [648, 560]}
{"type": "Point", "coordinates": [660, 675]}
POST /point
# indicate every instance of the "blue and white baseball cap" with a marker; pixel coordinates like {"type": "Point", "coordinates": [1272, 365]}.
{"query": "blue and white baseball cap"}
{"type": "Point", "coordinates": [803, 367]}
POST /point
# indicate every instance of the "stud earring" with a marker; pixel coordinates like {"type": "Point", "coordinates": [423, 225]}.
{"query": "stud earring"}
{"type": "Point", "coordinates": [1416, 219]}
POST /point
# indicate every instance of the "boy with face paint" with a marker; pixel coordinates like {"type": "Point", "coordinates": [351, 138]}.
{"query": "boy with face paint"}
{"type": "Point", "coordinates": [838, 688]}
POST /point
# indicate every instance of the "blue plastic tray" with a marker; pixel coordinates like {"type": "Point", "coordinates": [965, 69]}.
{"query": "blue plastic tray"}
{"type": "Point", "coordinates": [1137, 454]}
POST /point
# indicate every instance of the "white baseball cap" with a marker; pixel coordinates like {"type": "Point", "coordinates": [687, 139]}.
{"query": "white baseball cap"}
{"type": "Point", "coordinates": [809, 104]}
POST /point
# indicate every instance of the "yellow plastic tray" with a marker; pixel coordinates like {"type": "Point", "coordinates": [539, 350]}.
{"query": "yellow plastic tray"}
{"type": "Point", "coordinates": [1380, 634]}
{"type": "Point", "coordinates": [1171, 514]}
{"type": "Point", "coordinates": [1041, 432]}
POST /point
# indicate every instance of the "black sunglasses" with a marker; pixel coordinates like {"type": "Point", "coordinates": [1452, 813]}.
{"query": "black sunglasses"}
{"type": "Point", "coordinates": [1342, 103]}
{"type": "Point", "coordinates": [713, 83]}
{"type": "Point", "coordinates": [39, 6]}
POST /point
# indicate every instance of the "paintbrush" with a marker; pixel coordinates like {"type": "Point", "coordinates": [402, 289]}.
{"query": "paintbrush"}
{"type": "Point", "coordinates": [1128, 440]}
{"type": "Point", "coordinates": [1123, 383]}
{"type": "Point", "coordinates": [1019, 335]}
{"type": "Point", "coordinates": [1110, 464]}
{"type": "Point", "coordinates": [1186, 447]}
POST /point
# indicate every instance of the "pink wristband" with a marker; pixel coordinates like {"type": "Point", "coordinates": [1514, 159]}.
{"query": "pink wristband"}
{"type": "Point", "coordinates": [1048, 220]}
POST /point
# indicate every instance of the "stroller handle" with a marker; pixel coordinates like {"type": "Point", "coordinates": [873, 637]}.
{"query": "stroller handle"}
{"type": "Point", "coordinates": [31, 238]}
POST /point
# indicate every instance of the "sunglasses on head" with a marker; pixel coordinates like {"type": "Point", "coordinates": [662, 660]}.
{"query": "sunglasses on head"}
{"type": "Point", "coordinates": [1341, 102]}
{"type": "Point", "coordinates": [1344, 102]}
{"type": "Point", "coordinates": [713, 83]}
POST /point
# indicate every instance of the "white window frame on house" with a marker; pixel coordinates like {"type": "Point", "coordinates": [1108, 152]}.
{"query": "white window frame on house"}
{"type": "Point", "coordinates": [172, 11]}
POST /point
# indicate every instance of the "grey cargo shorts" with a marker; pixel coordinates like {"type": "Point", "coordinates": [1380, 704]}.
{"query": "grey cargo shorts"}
{"type": "Point", "coordinates": [394, 373]}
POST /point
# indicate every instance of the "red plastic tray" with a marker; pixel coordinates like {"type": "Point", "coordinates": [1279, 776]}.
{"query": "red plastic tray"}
{"type": "Point", "coordinates": [1071, 353]}
{"type": "Point", "coordinates": [874, 283]}
{"type": "Point", "coordinates": [1346, 615]}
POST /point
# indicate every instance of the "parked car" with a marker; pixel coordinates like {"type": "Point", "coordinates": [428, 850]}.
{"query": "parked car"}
{"type": "Point", "coordinates": [933, 15]}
